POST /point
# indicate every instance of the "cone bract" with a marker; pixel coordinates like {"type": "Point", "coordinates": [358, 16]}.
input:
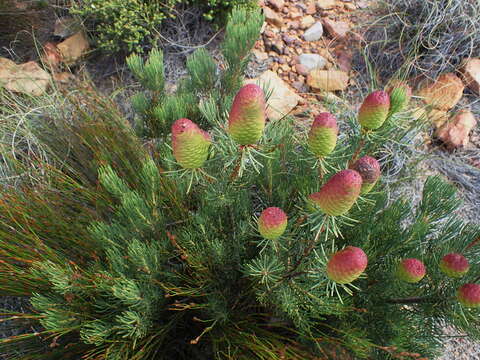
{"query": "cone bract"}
{"type": "Point", "coordinates": [347, 265]}
{"type": "Point", "coordinates": [369, 169]}
{"type": "Point", "coordinates": [411, 270]}
{"type": "Point", "coordinates": [246, 120]}
{"type": "Point", "coordinates": [454, 265]}
{"type": "Point", "coordinates": [374, 110]}
{"type": "Point", "coordinates": [340, 192]}
{"type": "Point", "coordinates": [190, 144]}
{"type": "Point", "coordinates": [469, 295]}
{"type": "Point", "coordinates": [400, 94]}
{"type": "Point", "coordinates": [322, 137]}
{"type": "Point", "coordinates": [272, 223]}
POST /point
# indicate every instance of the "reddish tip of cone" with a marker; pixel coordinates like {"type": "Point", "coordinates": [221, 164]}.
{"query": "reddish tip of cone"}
{"type": "Point", "coordinates": [325, 119]}
{"type": "Point", "coordinates": [454, 265]}
{"type": "Point", "coordinates": [411, 270]}
{"type": "Point", "coordinates": [184, 125]}
{"type": "Point", "coordinates": [469, 295]}
{"type": "Point", "coordinates": [378, 97]}
{"type": "Point", "coordinates": [368, 168]}
{"type": "Point", "coordinates": [347, 265]}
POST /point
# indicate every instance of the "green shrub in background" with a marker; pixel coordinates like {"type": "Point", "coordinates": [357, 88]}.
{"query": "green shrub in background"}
{"type": "Point", "coordinates": [130, 24]}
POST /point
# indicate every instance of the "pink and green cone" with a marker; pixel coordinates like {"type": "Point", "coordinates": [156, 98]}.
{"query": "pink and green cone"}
{"type": "Point", "coordinates": [347, 265]}
{"type": "Point", "coordinates": [369, 169]}
{"type": "Point", "coordinates": [322, 137]}
{"type": "Point", "coordinates": [454, 265]}
{"type": "Point", "coordinates": [339, 193]}
{"type": "Point", "coordinates": [400, 94]}
{"type": "Point", "coordinates": [272, 223]}
{"type": "Point", "coordinates": [469, 295]}
{"type": "Point", "coordinates": [374, 110]}
{"type": "Point", "coordinates": [411, 270]}
{"type": "Point", "coordinates": [247, 115]}
{"type": "Point", "coordinates": [190, 144]}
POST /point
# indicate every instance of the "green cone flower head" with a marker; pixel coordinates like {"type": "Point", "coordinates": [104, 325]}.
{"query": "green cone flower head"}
{"type": "Point", "coordinates": [411, 270]}
{"type": "Point", "coordinates": [469, 295]}
{"type": "Point", "coordinates": [272, 223]}
{"type": "Point", "coordinates": [190, 144]}
{"type": "Point", "coordinates": [400, 95]}
{"type": "Point", "coordinates": [322, 137]}
{"type": "Point", "coordinates": [339, 193]}
{"type": "Point", "coordinates": [369, 169]}
{"type": "Point", "coordinates": [454, 265]}
{"type": "Point", "coordinates": [347, 265]}
{"type": "Point", "coordinates": [374, 110]}
{"type": "Point", "coordinates": [247, 116]}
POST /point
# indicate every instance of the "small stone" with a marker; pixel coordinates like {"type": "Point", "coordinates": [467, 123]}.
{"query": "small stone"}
{"type": "Point", "coordinates": [326, 4]}
{"type": "Point", "coordinates": [281, 60]}
{"type": "Point", "coordinates": [301, 6]}
{"type": "Point", "coordinates": [350, 7]}
{"type": "Point", "coordinates": [314, 33]}
{"type": "Point", "coordinates": [455, 133]}
{"type": "Point", "coordinates": [277, 46]}
{"type": "Point", "coordinates": [300, 86]}
{"type": "Point", "coordinates": [272, 17]}
{"type": "Point", "coordinates": [311, 8]}
{"type": "Point", "coordinates": [295, 14]}
{"type": "Point", "coordinates": [312, 61]}
{"type": "Point", "coordinates": [471, 74]}
{"type": "Point", "coordinates": [27, 78]}
{"type": "Point", "coordinates": [344, 61]}
{"type": "Point", "coordinates": [288, 39]}
{"type": "Point", "coordinates": [277, 4]}
{"type": "Point", "coordinates": [51, 56]}
{"type": "Point", "coordinates": [260, 55]}
{"type": "Point", "coordinates": [73, 48]}
{"type": "Point", "coordinates": [301, 69]}
{"type": "Point", "coordinates": [444, 93]}
{"type": "Point", "coordinates": [269, 34]}
{"type": "Point", "coordinates": [307, 21]}
{"type": "Point", "coordinates": [329, 80]}
{"type": "Point", "coordinates": [295, 24]}
{"type": "Point", "coordinates": [282, 99]}
{"type": "Point", "coordinates": [336, 29]}
{"type": "Point", "coordinates": [63, 77]}
{"type": "Point", "coordinates": [362, 4]}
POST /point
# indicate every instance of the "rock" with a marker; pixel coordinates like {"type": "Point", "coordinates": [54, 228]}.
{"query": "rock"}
{"type": "Point", "coordinates": [66, 26]}
{"type": "Point", "coordinates": [344, 61]}
{"type": "Point", "coordinates": [336, 29]}
{"type": "Point", "coordinates": [307, 21]}
{"type": "Point", "coordinates": [312, 61]}
{"type": "Point", "coordinates": [362, 4]}
{"type": "Point", "coordinates": [444, 93]}
{"type": "Point", "coordinates": [300, 86]}
{"type": "Point", "coordinates": [455, 133]}
{"type": "Point", "coordinates": [349, 7]}
{"type": "Point", "coordinates": [329, 80]}
{"type": "Point", "coordinates": [326, 4]}
{"type": "Point", "coordinates": [311, 8]}
{"type": "Point", "coordinates": [471, 74]}
{"type": "Point", "coordinates": [260, 55]}
{"type": "Point", "coordinates": [287, 39]}
{"type": "Point", "coordinates": [295, 14]}
{"type": "Point", "coordinates": [51, 56]}
{"type": "Point", "coordinates": [73, 48]}
{"type": "Point", "coordinates": [314, 33]}
{"type": "Point", "coordinates": [63, 77]}
{"type": "Point", "coordinates": [275, 45]}
{"type": "Point", "coordinates": [301, 69]}
{"type": "Point", "coordinates": [272, 17]}
{"type": "Point", "coordinates": [28, 78]}
{"type": "Point", "coordinates": [282, 100]}
{"type": "Point", "coordinates": [277, 4]}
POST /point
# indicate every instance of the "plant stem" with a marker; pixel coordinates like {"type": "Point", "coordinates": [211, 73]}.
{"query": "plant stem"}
{"type": "Point", "coordinates": [411, 300]}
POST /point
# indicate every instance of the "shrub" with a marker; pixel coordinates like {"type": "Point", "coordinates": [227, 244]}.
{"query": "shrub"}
{"type": "Point", "coordinates": [423, 36]}
{"type": "Point", "coordinates": [132, 24]}
{"type": "Point", "coordinates": [127, 255]}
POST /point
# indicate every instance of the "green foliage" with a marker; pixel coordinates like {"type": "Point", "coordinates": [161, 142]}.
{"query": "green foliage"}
{"type": "Point", "coordinates": [131, 24]}
{"type": "Point", "coordinates": [127, 256]}
{"type": "Point", "coordinates": [205, 80]}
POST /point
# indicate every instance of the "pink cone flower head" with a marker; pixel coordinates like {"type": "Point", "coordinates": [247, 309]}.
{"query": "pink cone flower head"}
{"type": "Point", "coordinates": [411, 270]}
{"type": "Point", "coordinates": [190, 144]}
{"type": "Point", "coordinates": [247, 115]}
{"type": "Point", "coordinates": [369, 169]}
{"type": "Point", "coordinates": [374, 110]}
{"type": "Point", "coordinates": [322, 137]}
{"type": "Point", "coordinates": [454, 265]}
{"type": "Point", "coordinates": [469, 295]}
{"type": "Point", "coordinates": [272, 223]}
{"type": "Point", "coordinates": [347, 265]}
{"type": "Point", "coordinates": [339, 193]}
